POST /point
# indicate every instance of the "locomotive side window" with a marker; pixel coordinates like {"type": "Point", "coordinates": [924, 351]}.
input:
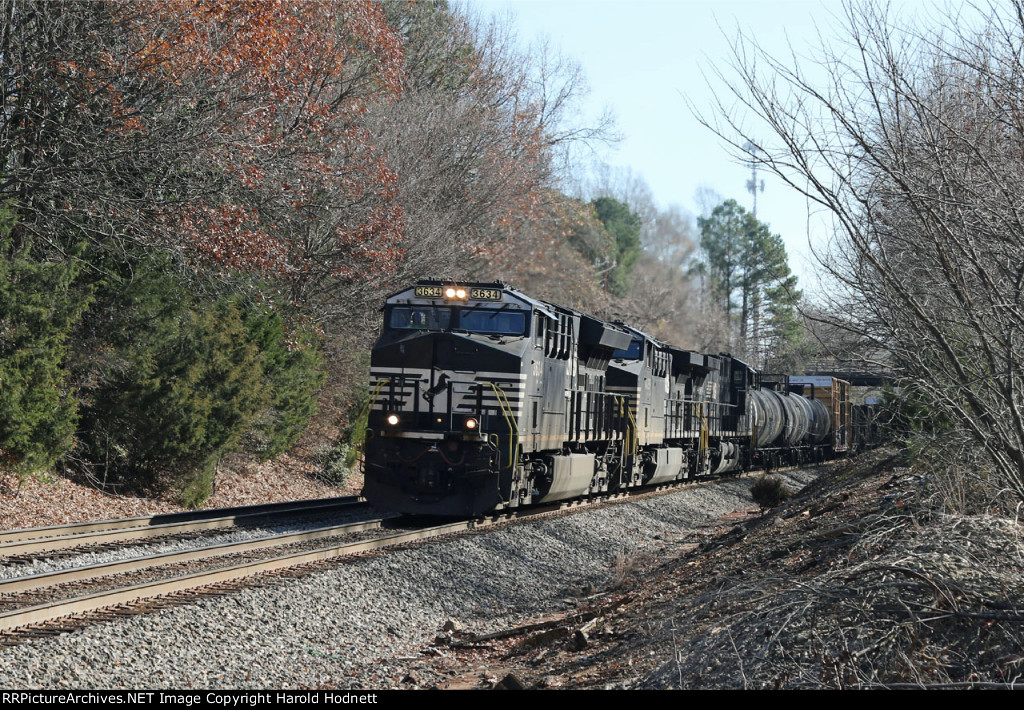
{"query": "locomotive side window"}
{"type": "Point", "coordinates": [630, 353]}
{"type": "Point", "coordinates": [660, 363]}
{"type": "Point", "coordinates": [497, 322]}
{"type": "Point", "coordinates": [487, 321]}
{"type": "Point", "coordinates": [419, 318]}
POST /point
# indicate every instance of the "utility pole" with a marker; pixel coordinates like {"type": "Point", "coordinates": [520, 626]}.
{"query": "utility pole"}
{"type": "Point", "coordinates": [752, 184]}
{"type": "Point", "coordinates": [752, 187]}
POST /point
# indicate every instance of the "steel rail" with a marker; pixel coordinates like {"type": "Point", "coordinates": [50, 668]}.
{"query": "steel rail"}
{"type": "Point", "coordinates": [51, 611]}
{"type": "Point", "coordinates": [163, 518]}
{"type": "Point", "coordinates": [21, 542]}
{"type": "Point", "coordinates": [103, 600]}
{"type": "Point", "coordinates": [42, 580]}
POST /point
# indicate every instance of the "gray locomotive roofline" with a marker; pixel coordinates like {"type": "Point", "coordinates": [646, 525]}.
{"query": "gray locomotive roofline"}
{"type": "Point", "coordinates": [548, 309]}
{"type": "Point", "coordinates": [636, 331]}
{"type": "Point", "coordinates": [674, 350]}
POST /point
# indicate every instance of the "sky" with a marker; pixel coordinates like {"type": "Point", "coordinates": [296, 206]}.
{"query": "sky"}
{"type": "Point", "coordinates": [647, 59]}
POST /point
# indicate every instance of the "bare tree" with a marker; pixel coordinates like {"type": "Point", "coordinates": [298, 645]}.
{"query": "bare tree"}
{"type": "Point", "coordinates": [475, 139]}
{"type": "Point", "coordinates": [914, 144]}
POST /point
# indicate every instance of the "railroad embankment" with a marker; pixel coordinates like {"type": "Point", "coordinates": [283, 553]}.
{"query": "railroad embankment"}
{"type": "Point", "coordinates": [860, 580]}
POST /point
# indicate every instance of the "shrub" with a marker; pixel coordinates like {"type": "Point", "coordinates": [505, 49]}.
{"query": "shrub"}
{"type": "Point", "coordinates": [172, 378]}
{"type": "Point", "coordinates": [332, 463]}
{"type": "Point", "coordinates": [354, 433]}
{"type": "Point", "coordinates": [769, 491]}
{"type": "Point", "coordinates": [293, 369]}
{"type": "Point", "coordinates": [185, 397]}
{"type": "Point", "coordinates": [170, 382]}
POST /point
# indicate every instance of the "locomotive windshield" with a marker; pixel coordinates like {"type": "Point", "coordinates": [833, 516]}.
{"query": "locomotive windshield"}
{"type": "Point", "coordinates": [488, 321]}
{"type": "Point", "coordinates": [492, 321]}
{"type": "Point", "coordinates": [420, 318]}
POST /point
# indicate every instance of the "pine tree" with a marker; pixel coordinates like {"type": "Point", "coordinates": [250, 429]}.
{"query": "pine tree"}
{"type": "Point", "coordinates": [39, 306]}
{"type": "Point", "coordinates": [624, 225]}
{"type": "Point", "coordinates": [293, 371]}
{"type": "Point", "coordinates": [750, 277]}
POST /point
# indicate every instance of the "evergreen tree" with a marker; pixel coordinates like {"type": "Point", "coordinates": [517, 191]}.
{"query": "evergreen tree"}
{"type": "Point", "coordinates": [750, 276]}
{"type": "Point", "coordinates": [624, 225]}
{"type": "Point", "coordinates": [39, 306]}
{"type": "Point", "coordinates": [292, 367]}
{"type": "Point", "coordinates": [172, 379]}
{"type": "Point", "coordinates": [722, 241]}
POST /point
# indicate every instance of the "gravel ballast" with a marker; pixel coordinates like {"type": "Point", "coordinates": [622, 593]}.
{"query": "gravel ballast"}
{"type": "Point", "coordinates": [363, 624]}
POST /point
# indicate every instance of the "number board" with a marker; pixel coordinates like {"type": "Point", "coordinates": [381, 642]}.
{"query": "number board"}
{"type": "Point", "coordinates": [475, 294]}
{"type": "Point", "coordinates": [485, 294]}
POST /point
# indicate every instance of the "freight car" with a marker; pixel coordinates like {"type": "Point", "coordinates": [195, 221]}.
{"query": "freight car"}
{"type": "Point", "coordinates": [483, 399]}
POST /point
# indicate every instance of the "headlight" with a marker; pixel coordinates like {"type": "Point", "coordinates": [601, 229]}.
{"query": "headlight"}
{"type": "Point", "coordinates": [472, 424]}
{"type": "Point", "coordinates": [392, 419]}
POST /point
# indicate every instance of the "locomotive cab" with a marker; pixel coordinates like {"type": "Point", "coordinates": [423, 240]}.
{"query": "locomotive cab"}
{"type": "Point", "coordinates": [484, 399]}
{"type": "Point", "coordinates": [686, 416]}
{"type": "Point", "coordinates": [447, 389]}
{"type": "Point", "coordinates": [642, 373]}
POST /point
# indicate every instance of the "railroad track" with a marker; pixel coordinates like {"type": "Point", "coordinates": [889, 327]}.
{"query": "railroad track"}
{"type": "Point", "coordinates": [29, 606]}
{"type": "Point", "coordinates": [51, 602]}
{"type": "Point", "coordinates": [27, 543]}
{"type": "Point", "coordinates": [85, 592]}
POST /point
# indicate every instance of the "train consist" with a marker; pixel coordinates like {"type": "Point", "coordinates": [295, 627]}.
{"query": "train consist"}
{"type": "Point", "coordinates": [483, 399]}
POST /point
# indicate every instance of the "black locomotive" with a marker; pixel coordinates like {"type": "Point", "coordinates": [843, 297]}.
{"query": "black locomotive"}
{"type": "Point", "coordinates": [483, 398]}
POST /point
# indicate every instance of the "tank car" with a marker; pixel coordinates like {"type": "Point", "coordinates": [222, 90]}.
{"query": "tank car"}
{"type": "Point", "coordinates": [831, 398]}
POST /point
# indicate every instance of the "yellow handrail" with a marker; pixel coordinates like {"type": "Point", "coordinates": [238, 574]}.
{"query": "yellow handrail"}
{"type": "Point", "coordinates": [702, 445]}
{"type": "Point", "coordinates": [365, 411]}
{"type": "Point", "coordinates": [513, 428]}
{"type": "Point", "coordinates": [632, 442]}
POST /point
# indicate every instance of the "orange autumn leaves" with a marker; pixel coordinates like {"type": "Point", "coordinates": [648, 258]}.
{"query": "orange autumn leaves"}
{"type": "Point", "coordinates": [278, 88]}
